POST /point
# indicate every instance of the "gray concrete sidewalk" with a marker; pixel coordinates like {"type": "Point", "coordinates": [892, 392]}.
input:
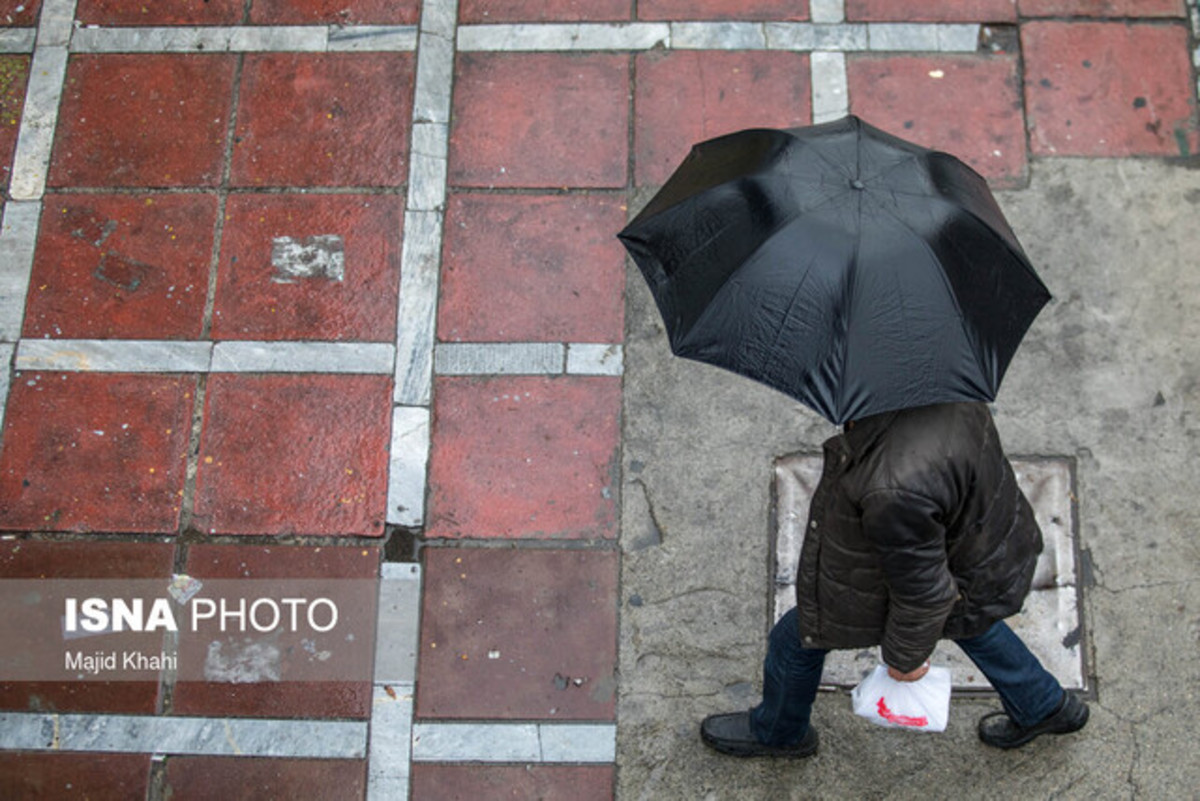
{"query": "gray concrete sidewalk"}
{"type": "Point", "coordinates": [1109, 375]}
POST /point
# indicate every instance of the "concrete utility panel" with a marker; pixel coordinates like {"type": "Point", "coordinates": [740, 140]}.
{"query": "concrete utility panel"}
{"type": "Point", "coordinates": [1049, 621]}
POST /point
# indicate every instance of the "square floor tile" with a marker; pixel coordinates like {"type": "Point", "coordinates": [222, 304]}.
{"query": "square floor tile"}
{"type": "Point", "coordinates": [34, 559]}
{"type": "Point", "coordinates": [723, 9]}
{"type": "Point", "coordinates": [143, 121]}
{"type": "Point", "coordinates": [544, 782]}
{"type": "Point", "coordinates": [19, 13]}
{"type": "Point", "coordinates": [924, 11]}
{"type": "Point", "coordinates": [528, 268]}
{"type": "Point", "coordinates": [335, 12]}
{"type": "Point", "coordinates": [518, 634]}
{"type": "Point", "coordinates": [122, 266]}
{"type": "Point", "coordinates": [14, 75]}
{"type": "Point", "coordinates": [94, 452]}
{"type": "Point", "coordinates": [160, 12]}
{"type": "Point", "coordinates": [1108, 89]}
{"type": "Point", "coordinates": [1101, 8]}
{"type": "Point", "coordinates": [249, 778]}
{"type": "Point", "coordinates": [968, 106]}
{"type": "Point", "coordinates": [294, 454]}
{"type": "Point", "coordinates": [1049, 621]}
{"type": "Point", "coordinates": [493, 11]}
{"type": "Point", "coordinates": [524, 457]}
{"type": "Point", "coordinates": [338, 119]}
{"type": "Point", "coordinates": [540, 120]}
{"type": "Point", "coordinates": [684, 97]}
{"type": "Point", "coordinates": [283, 698]}
{"type": "Point", "coordinates": [96, 777]}
{"type": "Point", "coordinates": [324, 267]}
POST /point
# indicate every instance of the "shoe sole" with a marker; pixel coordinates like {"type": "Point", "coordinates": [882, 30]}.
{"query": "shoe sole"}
{"type": "Point", "coordinates": [1033, 734]}
{"type": "Point", "coordinates": [749, 751]}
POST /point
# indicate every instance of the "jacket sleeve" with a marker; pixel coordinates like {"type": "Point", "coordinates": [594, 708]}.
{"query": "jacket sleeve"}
{"type": "Point", "coordinates": [905, 528]}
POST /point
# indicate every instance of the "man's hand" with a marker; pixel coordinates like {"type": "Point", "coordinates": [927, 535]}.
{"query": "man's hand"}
{"type": "Point", "coordinates": [913, 676]}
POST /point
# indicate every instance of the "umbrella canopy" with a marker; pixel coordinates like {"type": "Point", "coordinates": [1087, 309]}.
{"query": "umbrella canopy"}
{"type": "Point", "coordinates": [853, 270]}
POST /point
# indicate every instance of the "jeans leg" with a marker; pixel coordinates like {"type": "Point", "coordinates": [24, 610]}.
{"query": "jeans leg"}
{"type": "Point", "coordinates": [1027, 690]}
{"type": "Point", "coordinates": [791, 675]}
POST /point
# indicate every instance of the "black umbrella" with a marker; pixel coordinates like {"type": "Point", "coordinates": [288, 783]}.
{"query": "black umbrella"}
{"type": "Point", "coordinates": [853, 270]}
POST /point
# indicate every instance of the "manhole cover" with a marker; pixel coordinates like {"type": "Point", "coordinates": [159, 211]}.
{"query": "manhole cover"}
{"type": "Point", "coordinates": [1048, 623]}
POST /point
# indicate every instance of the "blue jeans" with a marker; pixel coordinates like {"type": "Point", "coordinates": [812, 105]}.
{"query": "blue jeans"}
{"type": "Point", "coordinates": [792, 673]}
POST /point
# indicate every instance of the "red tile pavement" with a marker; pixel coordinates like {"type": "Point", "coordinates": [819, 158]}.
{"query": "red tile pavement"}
{"type": "Point", "coordinates": [684, 97]}
{"type": "Point", "coordinates": [96, 777]}
{"type": "Point", "coordinates": [1102, 8]}
{"type": "Point", "coordinates": [525, 634]}
{"type": "Point", "coordinates": [1108, 89]}
{"type": "Point", "coordinates": [723, 9]}
{"type": "Point", "coordinates": [14, 75]}
{"type": "Point", "coordinates": [297, 699]}
{"type": "Point", "coordinates": [571, 132]}
{"type": "Point", "coordinates": [122, 266]}
{"type": "Point", "coordinates": [259, 297]}
{"type": "Point", "coordinates": [16, 13]}
{"type": "Point", "coordinates": [294, 454]}
{"type": "Point", "coordinates": [521, 268]}
{"type": "Point", "coordinates": [160, 12]}
{"type": "Point", "coordinates": [94, 452]}
{"type": "Point", "coordinates": [337, 119]}
{"type": "Point", "coordinates": [966, 105]}
{"type": "Point", "coordinates": [924, 11]}
{"type": "Point", "coordinates": [471, 12]}
{"type": "Point", "coordinates": [337, 12]}
{"type": "Point", "coordinates": [544, 782]}
{"type": "Point", "coordinates": [524, 457]}
{"type": "Point", "coordinates": [251, 779]}
{"type": "Point", "coordinates": [62, 560]}
{"type": "Point", "coordinates": [143, 120]}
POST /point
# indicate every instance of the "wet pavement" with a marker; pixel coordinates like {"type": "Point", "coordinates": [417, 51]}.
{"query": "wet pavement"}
{"type": "Point", "coordinates": [330, 289]}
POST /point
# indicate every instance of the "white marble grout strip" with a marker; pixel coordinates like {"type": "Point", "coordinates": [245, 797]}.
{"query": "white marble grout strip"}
{"type": "Point", "coordinates": [147, 734]}
{"type": "Point", "coordinates": [718, 36]}
{"type": "Point", "coordinates": [830, 92]}
{"type": "Point", "coordinates": [565, 36]}
{"type": "Point", "coordinates": [428, 158]}
{"type": "Point", "coordinates": [31, 162]}
{"type": "Point", "coordinates": [56, 22]}
{"type": "Point", "coordinates": [581, 743]}
{"type": "Point", "coordinates": [919, 37]}
{"type": "Point", "coordinates": [420, 263]}
{"type": "Point", "coordinates": [827, 11]}
{"type": "Point", "coordinates": [17, 40]}
{"type": "Point", "coordinates": [245, 39]}
{"type": "Point", "coordinates": [6, 354]}
{"type": "Point", "coordinates": [595, 359]}
{"type": "Point", "coordinates": [372, 358]}
{"type": "Point", "coordinates": [408, 466]}
{"type": "Point", "coordinates": [389, 755]}
{"type": "Point", "coordinates": [113, 355]}
{"type": "Point", "coordinates": [499, 358]}
{"type": "Point", "coordinates": [18, 236]}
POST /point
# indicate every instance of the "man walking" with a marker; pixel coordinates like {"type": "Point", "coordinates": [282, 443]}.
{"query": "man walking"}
{"type": "Point", "coordinates": [917, 531]}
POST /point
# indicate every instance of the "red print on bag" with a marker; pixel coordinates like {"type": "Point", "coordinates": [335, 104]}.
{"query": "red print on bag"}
{"type": "Point", "coordinates": [899, 720]}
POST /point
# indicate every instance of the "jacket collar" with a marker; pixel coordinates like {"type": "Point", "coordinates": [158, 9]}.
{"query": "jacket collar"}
{"type": "Point", "coordinates": [860, 435]}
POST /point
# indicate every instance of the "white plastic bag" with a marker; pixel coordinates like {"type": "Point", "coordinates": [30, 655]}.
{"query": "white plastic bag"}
{"type": "Point", "coordinates": [922, 705]}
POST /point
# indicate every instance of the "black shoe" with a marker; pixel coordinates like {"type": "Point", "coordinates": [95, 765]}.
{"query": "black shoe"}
{"type": "Point", "coordinates": [731, 734]}
{"type": "Point", "coordinates": [998, 730]}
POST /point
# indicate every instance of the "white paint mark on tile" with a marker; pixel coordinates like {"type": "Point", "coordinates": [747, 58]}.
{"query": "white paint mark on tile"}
{"type": "Point", "coordinates": [321, 256]}
{"type": "Point", "coordinates": [409, 463]}
{"type": "Point", "coordinates": [115, 355]}
{"type": "Point", "coordinates": [147, 734]}
{"type": "Point", "coordinates": [242, 662]}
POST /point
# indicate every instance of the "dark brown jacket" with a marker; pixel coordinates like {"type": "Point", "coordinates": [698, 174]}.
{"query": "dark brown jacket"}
{"type": "Point", "coordinates": [917, 531]}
